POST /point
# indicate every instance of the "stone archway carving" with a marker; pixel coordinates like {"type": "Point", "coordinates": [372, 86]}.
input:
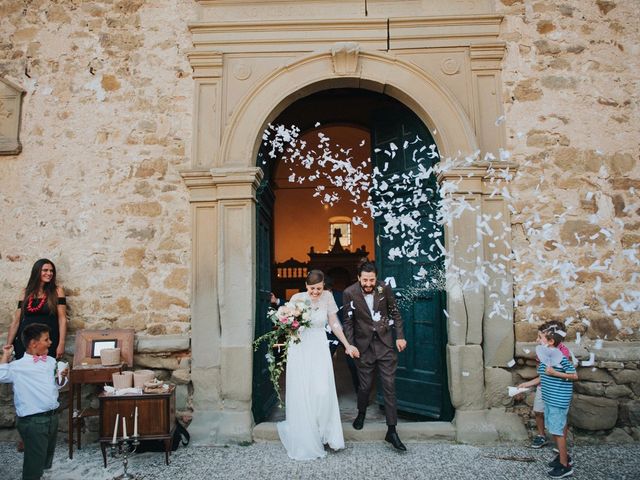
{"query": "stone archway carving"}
{"type": "Point", "coordinates": [223, 208]}
{"type": "Point", "coordinates": [347, 66]}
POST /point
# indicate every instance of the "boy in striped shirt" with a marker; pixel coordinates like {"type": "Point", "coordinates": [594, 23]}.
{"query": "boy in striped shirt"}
{"type": "Point", "coordinates": [557, 391]}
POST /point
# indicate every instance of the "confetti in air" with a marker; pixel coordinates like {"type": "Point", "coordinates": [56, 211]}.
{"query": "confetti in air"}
{"type": "Point", "coordinates": [527, 251]}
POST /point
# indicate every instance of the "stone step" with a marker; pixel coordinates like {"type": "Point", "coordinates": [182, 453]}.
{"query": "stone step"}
{"type": "Point", "coordinates": [374, 432]}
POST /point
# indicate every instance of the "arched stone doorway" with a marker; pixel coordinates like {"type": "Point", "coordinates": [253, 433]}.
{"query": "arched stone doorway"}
{"type": "Point", "coordinates": [223, 199]}
{"type": "Point", "coordinates": [364, 124]}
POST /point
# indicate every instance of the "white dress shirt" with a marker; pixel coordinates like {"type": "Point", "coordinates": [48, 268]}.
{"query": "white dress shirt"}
{"type": "Point", "coordinates": [34, 385]}
{"type": "Point", "coordinates": [368, 297]}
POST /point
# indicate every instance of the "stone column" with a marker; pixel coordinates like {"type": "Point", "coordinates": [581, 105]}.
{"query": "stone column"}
{"type": "Point", "coordinates": [207, 120]}
{"type": "Point", "coordinates": [223, 302]}
{"type": "Point", "coordinates": [487, 88]}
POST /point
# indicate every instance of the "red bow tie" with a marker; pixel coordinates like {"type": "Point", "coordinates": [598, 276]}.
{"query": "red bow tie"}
{"type": "Point", "coordinates": [37, 358]}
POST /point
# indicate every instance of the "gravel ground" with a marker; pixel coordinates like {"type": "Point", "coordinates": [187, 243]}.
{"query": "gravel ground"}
{"type": "Point", "coordinates": [357, 461]}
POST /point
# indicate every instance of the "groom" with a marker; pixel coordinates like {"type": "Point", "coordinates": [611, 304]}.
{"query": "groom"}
{"type": "Point", "coordinates": [370, 316]}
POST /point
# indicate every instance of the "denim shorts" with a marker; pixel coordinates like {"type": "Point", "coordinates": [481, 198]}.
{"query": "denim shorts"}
{"type": "Point", "coordinates": [555, 418]}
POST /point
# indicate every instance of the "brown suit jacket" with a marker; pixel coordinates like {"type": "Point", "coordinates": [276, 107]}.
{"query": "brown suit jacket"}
{"type": "Point", "coordinates": [359, 325]}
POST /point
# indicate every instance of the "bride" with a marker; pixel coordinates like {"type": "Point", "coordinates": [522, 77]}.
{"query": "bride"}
{"type": "Point", "coordinates": [311, 402]}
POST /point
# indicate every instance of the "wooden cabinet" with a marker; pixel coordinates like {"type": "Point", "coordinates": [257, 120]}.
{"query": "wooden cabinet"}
{"type": "Point", "coordinates": [78, 376]}
{"type": "Point", "coordinates": [156, 417]}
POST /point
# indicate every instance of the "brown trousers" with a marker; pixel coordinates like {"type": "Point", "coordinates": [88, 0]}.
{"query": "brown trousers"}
{"type": "Point", "coordinates": [385, 360]}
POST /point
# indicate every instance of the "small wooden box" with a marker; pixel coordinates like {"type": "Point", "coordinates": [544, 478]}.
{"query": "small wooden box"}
{"type": "Point", "coordinates": [90, 342]}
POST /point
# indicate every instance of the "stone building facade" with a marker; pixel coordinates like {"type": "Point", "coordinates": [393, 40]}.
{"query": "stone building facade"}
{"type": "Point", "coordinates": [140, 128]}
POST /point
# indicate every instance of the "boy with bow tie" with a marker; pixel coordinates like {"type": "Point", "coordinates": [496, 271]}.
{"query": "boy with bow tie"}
{"type": "Point", "coordinates": [36, 398]}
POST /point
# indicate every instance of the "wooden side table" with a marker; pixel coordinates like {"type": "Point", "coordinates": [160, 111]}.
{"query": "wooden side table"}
{"type": "Point", "coordinates": [87, 375]}
{"type": "Point", "coordinates": [156, 417]}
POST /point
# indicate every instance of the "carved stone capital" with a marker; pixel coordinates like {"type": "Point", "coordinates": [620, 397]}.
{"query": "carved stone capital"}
{"type": "Point", "coordinates": [345, 57]}
{"type": "Point", "coordinates": [205, 64]}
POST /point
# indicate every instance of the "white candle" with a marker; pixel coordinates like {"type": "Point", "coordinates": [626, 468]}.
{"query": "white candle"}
{"type": "Point", "coordinates": [124, 428]}
{"type": "Point", "coordinates": [135, 423]}
{"type": "Point", "coordinates": [115, 429]}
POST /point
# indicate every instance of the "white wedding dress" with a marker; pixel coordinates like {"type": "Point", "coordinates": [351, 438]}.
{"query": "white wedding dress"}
{"type": "Point", "coordinates": [311, 402]}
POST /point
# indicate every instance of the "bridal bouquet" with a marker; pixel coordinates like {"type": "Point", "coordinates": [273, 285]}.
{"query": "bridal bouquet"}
{"type": "Point", "coordinates": [288, 322]}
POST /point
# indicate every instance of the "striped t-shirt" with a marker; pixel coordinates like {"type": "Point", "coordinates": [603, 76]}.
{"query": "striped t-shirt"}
{"type": "Point", "coordinates": [557, 392]}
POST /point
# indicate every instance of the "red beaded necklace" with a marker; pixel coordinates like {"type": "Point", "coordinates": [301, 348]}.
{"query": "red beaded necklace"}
{"type": "Point", "coordinates": [32, 309]}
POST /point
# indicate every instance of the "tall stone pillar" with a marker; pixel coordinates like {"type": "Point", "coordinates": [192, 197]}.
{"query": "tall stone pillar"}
{"type": "Point", "coordinates": [223, 302]}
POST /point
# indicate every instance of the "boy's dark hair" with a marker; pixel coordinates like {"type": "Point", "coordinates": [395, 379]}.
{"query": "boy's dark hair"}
{"type": "Point", "coordinates": [367, 266]}
{"type": "Point", "coordinates": [552, 324]}
{"type": "Point", "coordinates": [33, 332]}
{"type": "Point", "coordinates": [553, 335]}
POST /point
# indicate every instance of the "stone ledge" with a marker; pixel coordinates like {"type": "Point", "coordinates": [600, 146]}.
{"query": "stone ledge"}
{"type": "Point", "coordinates": [374, 432]}
{"type": "Point", "coordinates": [145, 343]}
{"type": "Point", "coordinates": [610, 351]}
{"type": "Point", "coordinates": [162, 343]}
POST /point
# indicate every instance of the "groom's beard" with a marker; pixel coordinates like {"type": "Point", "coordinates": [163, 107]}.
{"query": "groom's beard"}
{"type": "Point", "coordinates": [367, 290]}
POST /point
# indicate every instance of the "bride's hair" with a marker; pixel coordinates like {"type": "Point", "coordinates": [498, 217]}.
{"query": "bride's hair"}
{"type": "Point", "coordinates": [314, 276]}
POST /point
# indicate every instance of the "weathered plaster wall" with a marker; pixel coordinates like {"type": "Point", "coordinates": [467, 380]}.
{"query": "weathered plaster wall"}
{"type": "Point", "coordinates": [571, 101]}
{"type": "Point", "coordinates": [106, 126]}
{"type": "Point", "coordinates": [571, 104]}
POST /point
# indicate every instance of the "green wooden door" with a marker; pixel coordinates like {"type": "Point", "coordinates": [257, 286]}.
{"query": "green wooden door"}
{"type": "Point", "coordinates": [421, 378]}
{"type": "Point", "coordinates": [264, 396]}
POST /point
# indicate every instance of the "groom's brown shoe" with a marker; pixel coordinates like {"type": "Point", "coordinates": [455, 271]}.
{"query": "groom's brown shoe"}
{"type": "Point", "coordinates": [358, 423]}
{"type": "Point", "coordinates": [394, 439]}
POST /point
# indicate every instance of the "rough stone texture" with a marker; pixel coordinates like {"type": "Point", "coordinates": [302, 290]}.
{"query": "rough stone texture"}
{"type": "Point", "coordinates": [7, 410]}
{"type": "Point", "coordinates": [163, 343]}
{"type": "Point", "coordinates": [156, 361]}
{"type": "Point", "coordinates": [593, 413]}
{"type": "Point", "coordinates": [626, 376]}
{"type": "Point", "coordinates": [618, 435]}
{"type": "Point", "coordinates": [630, 413]}
{"type": "Point", "coordinates": [181, 376]}
{"type": "Point", "coordinates": [496, 382]}
{"type": "Point", "coordinates": [466, 377]}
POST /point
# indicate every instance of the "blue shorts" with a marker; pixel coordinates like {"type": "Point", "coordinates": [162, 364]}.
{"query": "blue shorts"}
{"type": "Point", "coordinates": [555, 419]}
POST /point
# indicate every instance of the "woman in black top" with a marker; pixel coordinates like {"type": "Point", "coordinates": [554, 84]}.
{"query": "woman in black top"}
{"type": "Point", "coordinates": [42, 302]}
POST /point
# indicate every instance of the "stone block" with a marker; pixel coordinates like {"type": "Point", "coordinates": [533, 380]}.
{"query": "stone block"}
{"type": "Point", "coordinates": [618, 435]}
{"type": "Point", "coordinates": [182, 397]}
{"type": "Point", "coordinates": [220, 427]}
{"type": "Point", "coordinates": [630, 413]}
{"type": "Point", "coordinates": [472, 426]}
{"type": "Point", "coordinates": [206, 388]}
{"type": "Point", "coordinates": [181, 376]}
{"type": "Point", "coordinates": [161, 343]}
{"type": "Point", "coordinates": [590, 388]}
{"type": "Point", "coordinates": [593, 413]}
{"type": "Point", "coordinates": [466, 376]}
{"type": "Point", "coordinates": [236, 383]}
{"type": "Point", "coordinates": [496, 383]}
{"type": "Point", "coordinates": [526, 331]}
{"type": "Point", "coordinates": [591, 374]}
{"type": "Point", "coordinates": [498, 340]}
{"type": "Point", "coordinates": [619, 352]}
{"type": "Point", "coordinates": [509, 425]}
{"type": "Point", "coordinates": [617, 391]}
{"type": "Point", "coordinates": [623, 377]}
{"type": "Point", "coordinates": [155, 361]}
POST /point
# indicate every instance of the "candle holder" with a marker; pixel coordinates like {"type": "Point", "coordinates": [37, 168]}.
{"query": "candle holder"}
{"type": "Point", "coordinates": [123, 448]}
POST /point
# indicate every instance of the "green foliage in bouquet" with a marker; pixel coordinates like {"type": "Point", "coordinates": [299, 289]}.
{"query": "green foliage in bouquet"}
{"type": "Point", "coordinates": [289, 321]}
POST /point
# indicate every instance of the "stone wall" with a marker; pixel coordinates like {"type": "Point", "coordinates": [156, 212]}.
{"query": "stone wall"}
{"type": "Point", "coordinates": [571, 102]}
{"type": "Point", "coordinates": [607, 394]}
{"type": "Point", "coordinates": [106, 128]}
{"type": "Point", "coordinates": [572, 123]}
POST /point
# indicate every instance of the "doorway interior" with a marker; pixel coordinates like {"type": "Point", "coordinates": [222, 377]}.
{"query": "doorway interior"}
{"type": "Point", "coordinates": [301, 226]}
